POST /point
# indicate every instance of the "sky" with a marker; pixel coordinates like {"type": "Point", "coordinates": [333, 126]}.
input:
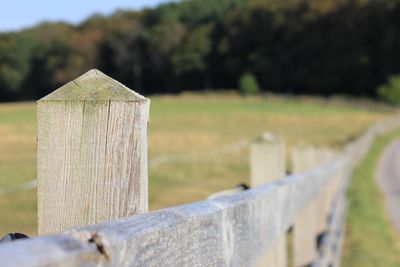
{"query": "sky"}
{"type": "Point", "coordinates": [19, 14]}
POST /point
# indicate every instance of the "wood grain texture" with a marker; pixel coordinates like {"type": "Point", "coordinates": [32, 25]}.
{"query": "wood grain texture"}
{"type": "Point", "coordinates": [227, 231]}
{"type": "Point", "coordinates": [235, 230]}
{"type": "Point", "coordinates": [92, 154]}
{"type": "Point", "coordinates": [94, 86]}
{"type": "Point", "coordinates": [267, 164]}
{"type": "Point", "coordinates": [54, 251]}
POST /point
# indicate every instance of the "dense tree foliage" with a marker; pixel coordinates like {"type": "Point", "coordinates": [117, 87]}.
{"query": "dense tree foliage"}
{"type": "Point", "coordinates": [390, 92]}
{"type": "Point", "coordinates": [291, 46]}
{"type": "Point", "coordinates": [248, 85]}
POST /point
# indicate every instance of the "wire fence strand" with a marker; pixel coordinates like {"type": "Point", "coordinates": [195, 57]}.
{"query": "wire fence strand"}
{"type": "Point", "coordinates": [153, 163]}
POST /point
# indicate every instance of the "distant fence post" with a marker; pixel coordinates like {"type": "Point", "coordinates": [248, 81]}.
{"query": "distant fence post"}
{"type": "Point", "coordinates": [92, 153]}
{"type": "Point", "coordinates": [306, 225]}
{"type": "Point", "coordinates": [327, 194]}
{"type": "Point", "coordinates": [268, 163]}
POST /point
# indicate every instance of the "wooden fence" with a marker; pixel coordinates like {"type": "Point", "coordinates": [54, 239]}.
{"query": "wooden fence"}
{"type": "Point", "coordinates": [92, 194]}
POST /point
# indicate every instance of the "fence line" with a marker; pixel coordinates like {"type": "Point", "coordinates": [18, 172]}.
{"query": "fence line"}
{"type": "Point", "coordinates": [84, 174]}
{"type": "Point", "coordinates": [227, 231]}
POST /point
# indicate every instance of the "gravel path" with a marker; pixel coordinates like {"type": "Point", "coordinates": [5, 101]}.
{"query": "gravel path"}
{"type": "Point", "coordinates": [388, 178]}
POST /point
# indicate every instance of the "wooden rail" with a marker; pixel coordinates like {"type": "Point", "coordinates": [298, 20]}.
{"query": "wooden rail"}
{"type": "Point", "coordinates": [77, 161]}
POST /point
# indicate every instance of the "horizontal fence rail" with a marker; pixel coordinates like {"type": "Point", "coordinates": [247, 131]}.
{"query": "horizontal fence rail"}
{"type": "Point", "coordinates": [227, 231]}
{"type": "Point", "coordinates": [232, 228]}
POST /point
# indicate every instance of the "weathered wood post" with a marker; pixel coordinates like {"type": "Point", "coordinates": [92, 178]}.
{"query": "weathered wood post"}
{"type": "Point", "coordinates": [325, 198]}
{"type": "Point", "coordinates": [268, 163]}
{"type": "Point", "coordinates": [306, 226]}
{"type": "Point", "coordinates": [92, 153]}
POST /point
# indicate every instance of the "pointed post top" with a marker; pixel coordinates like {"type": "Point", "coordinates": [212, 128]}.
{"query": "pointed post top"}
{"type": "Point", "coordinates": [94, 86]}
{"type": "Point", "coordinates": [267, 137]}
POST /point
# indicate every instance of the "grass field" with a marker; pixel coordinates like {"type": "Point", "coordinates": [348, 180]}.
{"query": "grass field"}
{"type": "Point", "coordinates": [188, 131]}
{"type": "Point", "coordinates": [370, 239]}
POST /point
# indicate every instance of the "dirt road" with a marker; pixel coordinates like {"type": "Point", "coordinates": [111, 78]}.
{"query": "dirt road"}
{"type": "Point", "coordinates": [388, 178]}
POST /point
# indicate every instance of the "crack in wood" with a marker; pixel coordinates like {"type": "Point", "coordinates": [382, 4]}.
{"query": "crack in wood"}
{"type": "Point", "coordinates": [96, 239]}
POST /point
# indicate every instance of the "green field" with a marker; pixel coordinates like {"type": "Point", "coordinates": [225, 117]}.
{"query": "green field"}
{"type": "Point", "coordinates": [370, 238]}
{"type": "Point", "coordinates": [197, 135]}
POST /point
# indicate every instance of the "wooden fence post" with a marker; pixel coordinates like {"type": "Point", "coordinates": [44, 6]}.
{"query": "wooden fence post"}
{"type": "Point", "coordinates": [326, 196]}
{"type": "Point", "coordinates": [311, 221]}
{"type": "Point", "coordinates": [92, 153]}
{"type": "Point", "coordinates": [268, 163]}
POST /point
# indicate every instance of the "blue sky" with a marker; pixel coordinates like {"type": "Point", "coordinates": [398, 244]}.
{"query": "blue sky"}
{"type": "Point", "coordinates": [17, 14]}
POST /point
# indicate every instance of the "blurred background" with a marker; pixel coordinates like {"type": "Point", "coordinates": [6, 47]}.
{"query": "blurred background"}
{"type": "Point", "coordinates": [218, 72]}
{"type": "Point", "coordinates": [323, 47]}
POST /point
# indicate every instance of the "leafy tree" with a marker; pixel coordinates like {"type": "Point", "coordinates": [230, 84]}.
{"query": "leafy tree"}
{"type": "Point", "coordinates": [248, 84]}
{"type": "Point", "coordinates": [191, 57]}
{"type": "Point", "coordinates": [293, 46]}
{"type": "Point", "coordinates": [390, 92]}
{"type": "Point", "coordinates": [16, 52]}
{"type": "Point", "coordinates": [166, 37]}
{"type": "Point", "coordinates": [48, 64]}
{"type": "Point", "coordinates": [123, 50]}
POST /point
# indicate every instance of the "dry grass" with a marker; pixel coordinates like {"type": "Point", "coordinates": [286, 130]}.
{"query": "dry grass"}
{"type": "Point", "coordinates": [189, 125]}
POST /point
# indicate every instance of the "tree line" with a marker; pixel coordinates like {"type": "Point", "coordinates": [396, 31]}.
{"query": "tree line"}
{"type": "Point", "coordinates": [319, 47]}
